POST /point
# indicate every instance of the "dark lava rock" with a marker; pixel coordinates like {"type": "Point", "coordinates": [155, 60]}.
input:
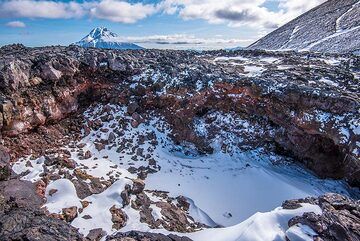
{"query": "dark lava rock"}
{"type": "Point", "coordinates": [183, 203]}
{"type": "Point", "coordinates": [112, 137]}
{"type": "Point", "coordinates": [84, 188]}
{"type": "Point", "coordinates": [99, 146]}
{"type": "Point", "coordinates": [22, 193]}
{"type": "Point", "coordinates": [340, 218]}
{"type": "Point", "coordinates": [142, 203]}
{"type": "Point", "coordinates": [21, 220]}
{"type": "Point", "coordinates": [142, 236]}
{"type": "Point", "coordinates": [96, 234]}
{"type": "Point", "coordinates": [87, 155]}
{"type": "Point", "coordinates": [138, 186]}
{"type": "Point", "coordinates": [5, 170]}
{"type": "Point", "coordinates": [61, 161]}
{"type": "Point", "coordinates": [295, 204]}
{"type": "Point", "coordinates": [70, 213]}
{"type": "Point", "coordinates": [125, 195]}
{"type": "Point", "coordinates": [87, 217]}
{"type": "Point", "coordinates": [118, 217]}
{"type": "Point", "coordinates": [176, 218]}
{"type": "Point", "coordinates": [24, 224]}
{"type": "Point", "coordinates": [50, 160]}
{"type": "Point", "coordinates": [132, 108]}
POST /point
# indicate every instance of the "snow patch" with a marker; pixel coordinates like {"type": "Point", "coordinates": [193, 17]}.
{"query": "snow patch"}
{"type": "Point", "coordinates": [199, 215]}
{"type": "Point", "coordinates": [259, 227]}
{"type": "Point", "coordinates": [33, 168]}
{"type": "Point", "coordinates": [239, 58]}
{"type": "Point", "coordinates": [253, 70]}
{"type": "Point", "coordinates": [328, 82]}
{"type": "Point", "coordinates": [300, 232]}
{"type": "Point", "coordinates": [64, 197]}
{"type": "Point", "coordinates": [99, 209]}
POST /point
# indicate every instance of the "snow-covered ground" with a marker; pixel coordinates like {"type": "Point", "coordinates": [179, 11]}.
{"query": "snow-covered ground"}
{"type": "Point", "coordinates": [225, 189]}
{"type": "Point", "coordinates": [261, 226]}
{"type": "Point", "coordinates": [252, 67]}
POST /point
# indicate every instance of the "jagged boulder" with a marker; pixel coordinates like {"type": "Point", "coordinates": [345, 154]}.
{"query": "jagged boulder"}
{"type": "Point", "coordinates": [340, 218]}
{"type": "Point", "coordinates": [31, 224]}
{"type": "Point", "coordinates": [20, 193]}
{"type": "Point", "coordinates": [22, 219]}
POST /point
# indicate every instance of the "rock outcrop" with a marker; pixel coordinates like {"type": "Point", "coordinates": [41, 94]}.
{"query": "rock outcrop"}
{"type": "Point", "coordinates": [340, 218]}
{"type": "Point", "coordinates": [22, 219]}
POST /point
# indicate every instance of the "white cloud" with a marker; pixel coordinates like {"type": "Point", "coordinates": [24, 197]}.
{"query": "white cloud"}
{"type": "Point", "coordinates": [234, 13]}
{"type": "Point", "coordinates": [231, 12]}
{"type": "Point", "coordinates": [16, 24]}
{"type": "Point", "coordinates": [121, 11]}
{"type": "Point", "coordinates": [294, 8]}
{"type": "Point", "coordinates": [41, 9]}
{"type": "Point", "coordinates": [112, 10]}
{"type": "Point", "coordinates": [237, 13]}
{"type": "Point", "coordinates": [185, 41]}
{"type": "Point", "coordinates": [298, 6]}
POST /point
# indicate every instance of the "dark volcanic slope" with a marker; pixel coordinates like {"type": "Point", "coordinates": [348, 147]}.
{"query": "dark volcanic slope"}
{"type": "Point", "coordinates": [331, 27]}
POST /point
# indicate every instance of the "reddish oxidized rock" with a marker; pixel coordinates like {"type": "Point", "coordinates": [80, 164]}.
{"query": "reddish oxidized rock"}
{"type": "Point", "coordinates": [41, 188]}
{"type": "Point", "coordinates": [138, 186]}
{"type": "Point", "coordinates": [69, 213]}
{"type": "Point", "coordinates": [119, 218]}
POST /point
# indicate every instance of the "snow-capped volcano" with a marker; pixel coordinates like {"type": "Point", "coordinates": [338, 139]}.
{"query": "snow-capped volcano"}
{"type": "Point", "coordinates": [103, 38]}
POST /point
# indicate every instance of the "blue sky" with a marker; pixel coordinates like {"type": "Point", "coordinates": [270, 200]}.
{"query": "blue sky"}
{"type": "Point", "coordinates": [198, 23]}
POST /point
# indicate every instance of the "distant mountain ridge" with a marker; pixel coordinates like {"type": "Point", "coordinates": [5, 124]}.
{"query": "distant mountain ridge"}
{"type": "Point", "coordinates": [103, 38]}
{"type": "Point", "coordinates": [235, 48]}
{"type": "Point", "coordinates": [333, 26]}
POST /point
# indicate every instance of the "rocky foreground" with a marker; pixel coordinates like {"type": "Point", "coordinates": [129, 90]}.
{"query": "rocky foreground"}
{"type": "Point", "coordinates": [66, 112]}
